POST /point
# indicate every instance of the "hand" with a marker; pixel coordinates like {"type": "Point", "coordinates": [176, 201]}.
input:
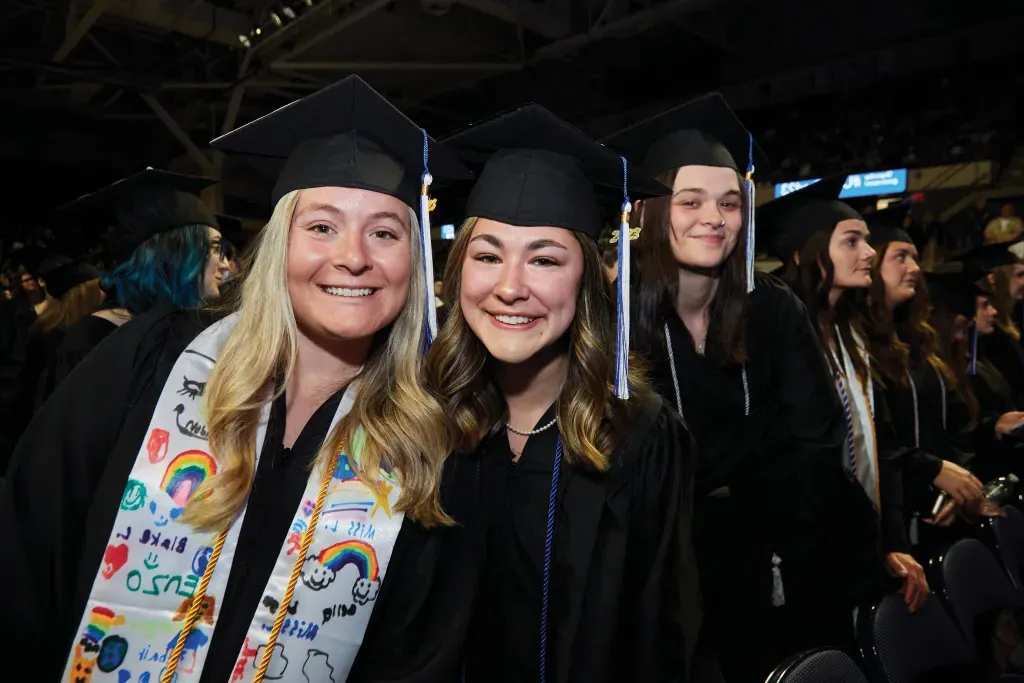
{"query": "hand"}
{"type": "Point", "coordinates": [720, 492]}
{"type": "Point", "coordinates": [946, 515]}
{"type": "Point", "coordinates": [915, 589]}
{"type": "Point", "coordinates": [961, 485]}
{"type": "Point", "coordinates": [1007, 421]}
{"type": "Point", "coordinates": [975, 510]}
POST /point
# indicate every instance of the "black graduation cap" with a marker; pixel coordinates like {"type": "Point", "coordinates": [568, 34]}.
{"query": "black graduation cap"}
{"type": "Point", "coordinates": [702, 132]}
{"type": "Point", "coordinates": [538, 170]}
{"type": "Point", "coordinates": [788, 222]}
{"type": "Point", "coordinates": [987, 257]}
{"type": "Point", "coordinates": [61, 273]}
{"type": "Point", "coordinates": [146, 204]}
{"type": "Point", "coordinates": [953, 291]}
{"type": "Point", "coordinates": [887, 225]}
{"type": "Point", "coordinates": [28, 257]}
{"type": "Point", "coordinates": [345, 135]}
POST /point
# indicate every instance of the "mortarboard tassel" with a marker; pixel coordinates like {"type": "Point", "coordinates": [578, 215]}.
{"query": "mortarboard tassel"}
{"type": "Point", "coordinates": [425, 247]}
{"type": "Point", "coordinates": [750, 190]}
{"type": "Point", "coordinates": [622, 295]}
{"type": "Point", "coordinates": [972, 367]}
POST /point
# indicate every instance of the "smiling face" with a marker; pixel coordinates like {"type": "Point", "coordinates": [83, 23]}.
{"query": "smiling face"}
{"type": "Point", "coordinates": [519, 287]}
{"type": "Point", "coordinates": [349, 262]}
{"type": "Point", "coordinates": [851, 255]}
{"type": "Point", "coordinates": [900, 273]}
{"type": "Point", "coordinates": [706, 215]}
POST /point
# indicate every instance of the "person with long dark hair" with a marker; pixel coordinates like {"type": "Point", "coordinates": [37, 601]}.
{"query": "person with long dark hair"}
{"type": "Point", "coordinates": [928, 416]}
{"type": "Point", "coordinates": [735, 354]}
{"type": "Point", "coordinates": [823, 243]}
{"type": "Point", "coordinates": [584, 474]}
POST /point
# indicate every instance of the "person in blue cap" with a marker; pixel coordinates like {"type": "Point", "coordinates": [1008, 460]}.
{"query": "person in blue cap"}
{"type": "Point", "coordinates": [260, 498]}
{"type": "Point", "coordinates": [585, 475]}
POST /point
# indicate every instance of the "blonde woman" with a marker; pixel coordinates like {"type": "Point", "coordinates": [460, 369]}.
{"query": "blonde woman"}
{"type": "Point", "coordinates": [589, 575]}
{"type": "Point", "coordinates": [259, 499]}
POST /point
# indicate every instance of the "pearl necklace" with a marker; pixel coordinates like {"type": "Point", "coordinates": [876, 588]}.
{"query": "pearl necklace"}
{"type": "Point", "coordinates": [531, 432]}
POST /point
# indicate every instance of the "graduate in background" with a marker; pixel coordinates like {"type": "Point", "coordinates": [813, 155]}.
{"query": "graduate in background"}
{"type": "Point", "coordinates": [259, 499]}
{"type": "Point", "coordinates": [741, 362]}
{"type": "Point", "coordinates": [824, 244]}
{"type": "Point", "coordinates": [928, 416]}
{"type": "Point", "coordinates": [585, 474]}
{"type": "Point", "coordinates": [167, 248]}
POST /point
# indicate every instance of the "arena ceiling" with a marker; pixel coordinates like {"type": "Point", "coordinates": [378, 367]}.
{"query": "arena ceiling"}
{"type": "Point", "coordinates": [96, 89]}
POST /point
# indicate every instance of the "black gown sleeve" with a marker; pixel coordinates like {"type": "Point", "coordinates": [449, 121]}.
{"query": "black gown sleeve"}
{"type": "Point", "coordinates": [806, 411]}
{"type": "Point", "coordinates": [666, 616]}
{"type": "Point", "coordinates": [892, 458]}
{"type": "Point", "coordinates": [52, 478]}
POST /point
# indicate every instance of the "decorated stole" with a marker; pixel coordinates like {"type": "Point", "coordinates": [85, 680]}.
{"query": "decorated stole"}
{"type": "Point", "coordinates": [860, 415]}
{"type": "Point", "coordinates": [154, 564]}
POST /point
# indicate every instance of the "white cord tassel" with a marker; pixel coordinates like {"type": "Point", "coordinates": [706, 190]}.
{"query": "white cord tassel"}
{"type": "Point", "coordinates": [428, 258]}
{"type": "Point", "coordinates": [622, 289]}
{"type": "Point", "coordinates": [778, 593]}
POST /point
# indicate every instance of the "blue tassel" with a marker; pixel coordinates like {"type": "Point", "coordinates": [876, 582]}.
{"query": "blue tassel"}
{"type": "Point", "coordinates": [751, 192]}
{"type": "Point", "coordinates": [622, 295]}
{"type": "Point", "coordinates": [426, 250]}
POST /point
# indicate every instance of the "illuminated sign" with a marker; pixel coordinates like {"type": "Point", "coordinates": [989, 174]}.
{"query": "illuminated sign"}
{"type": "Point", "coordinates": [857, 184]}
{"type": "Point", "coordinates": [448, 231]}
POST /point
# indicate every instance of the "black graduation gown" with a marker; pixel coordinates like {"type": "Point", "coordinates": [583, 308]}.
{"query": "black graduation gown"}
{"type": "Point", "coordinates": [78, 341]}
{"type": "Point", "coordinates": [995, 455]}
{"type": "Point", "coordinates": [65, 485]}
{"type": "Point", "coordinates": [624, 603]}
{"type": "Point", "coordinates": [789, 495]}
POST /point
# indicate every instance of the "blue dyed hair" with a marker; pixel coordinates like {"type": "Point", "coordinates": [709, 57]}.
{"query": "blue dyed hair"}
{"type": "Point", "coordinates": [167, 268]}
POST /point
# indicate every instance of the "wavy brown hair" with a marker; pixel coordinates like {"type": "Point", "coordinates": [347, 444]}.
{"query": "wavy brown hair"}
{"type": "Point", "coordinates": [655, 285]}
{"type": "Point", "coordinates": [400, 421]}
{"type": "Point", "coordinates": [72, 306]}
{"type": "Point", "coordinates": [1004, 303]}
{"type": "Point", "coordinates": [591, 421]}
{"type": "Point", "coordinates": [810, 277]}
{"type": "Point", "coordinates": [895, 337]}
{"type": "Point", "coordinates": [956, 355]}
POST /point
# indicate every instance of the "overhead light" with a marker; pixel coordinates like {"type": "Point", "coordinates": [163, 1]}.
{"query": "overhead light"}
{"type": "Point", "coordinates": [244, 40]}
{"type": "Point", "coordinates": [276, 19]}
{"type": "Point", "coordinates": [308, 3]}
{"type": "Point", "coordinates": [258, 30]}
{"type": "Point", "coordinates": [288, 12]}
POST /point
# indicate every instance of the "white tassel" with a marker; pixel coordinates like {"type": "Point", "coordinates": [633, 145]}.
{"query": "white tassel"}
{"type": "Point", "coordinates": [428, 258]}
{"type": "Point", "coordinates": [751, 242]}
{"type": "Point", "coordinates": [778, 594]}
{"type": "Point", "coordinates": [622, 289]}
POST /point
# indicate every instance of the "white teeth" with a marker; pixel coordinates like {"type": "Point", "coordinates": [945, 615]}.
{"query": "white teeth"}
{"type": "Point", "coordinates": [345, 291]}
{"type": "Point", "coordinates": [513, 319]}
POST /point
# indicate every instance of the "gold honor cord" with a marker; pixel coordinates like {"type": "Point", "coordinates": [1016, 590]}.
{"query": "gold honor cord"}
{"type": "Point", "coordinates": [197, 600]}
{"type": "Point", "coordinates": [194, 609]}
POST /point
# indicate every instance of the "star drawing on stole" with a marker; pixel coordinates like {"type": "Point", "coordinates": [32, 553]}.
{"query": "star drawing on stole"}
{"type": "Point", "coordinates": [382, 499]}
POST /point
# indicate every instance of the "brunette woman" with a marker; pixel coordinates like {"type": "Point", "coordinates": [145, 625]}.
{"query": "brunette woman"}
{"type": "Point", "coordinates": [259, 499]}
{"type": "Point", "coordinates": [824, 244]}
{"type": "Point", "coordinates": [928, 416]}
{"type": "Point", "coordinates": [747, 373]}
{"type": "Point", "coordinates": [589, 575]}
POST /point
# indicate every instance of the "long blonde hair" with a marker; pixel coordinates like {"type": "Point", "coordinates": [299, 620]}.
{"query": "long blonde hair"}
{"type": "Point", "coordinates": [1004, 303]}
{"type": "Point", "coordinates": [69, 308]}
{"type": "Point", "coordinates": [402, 423]}
{"type": "Point", "coordinates": [591, 420]}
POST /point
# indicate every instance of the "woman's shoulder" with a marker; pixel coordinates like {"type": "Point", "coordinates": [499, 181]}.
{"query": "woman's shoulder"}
{"type": "Point", "coordinates": [770, 291]}
{"type": "Point", "coordinates": [656, 438]}
{"type": "Point", "coordinates": [165, 330]}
